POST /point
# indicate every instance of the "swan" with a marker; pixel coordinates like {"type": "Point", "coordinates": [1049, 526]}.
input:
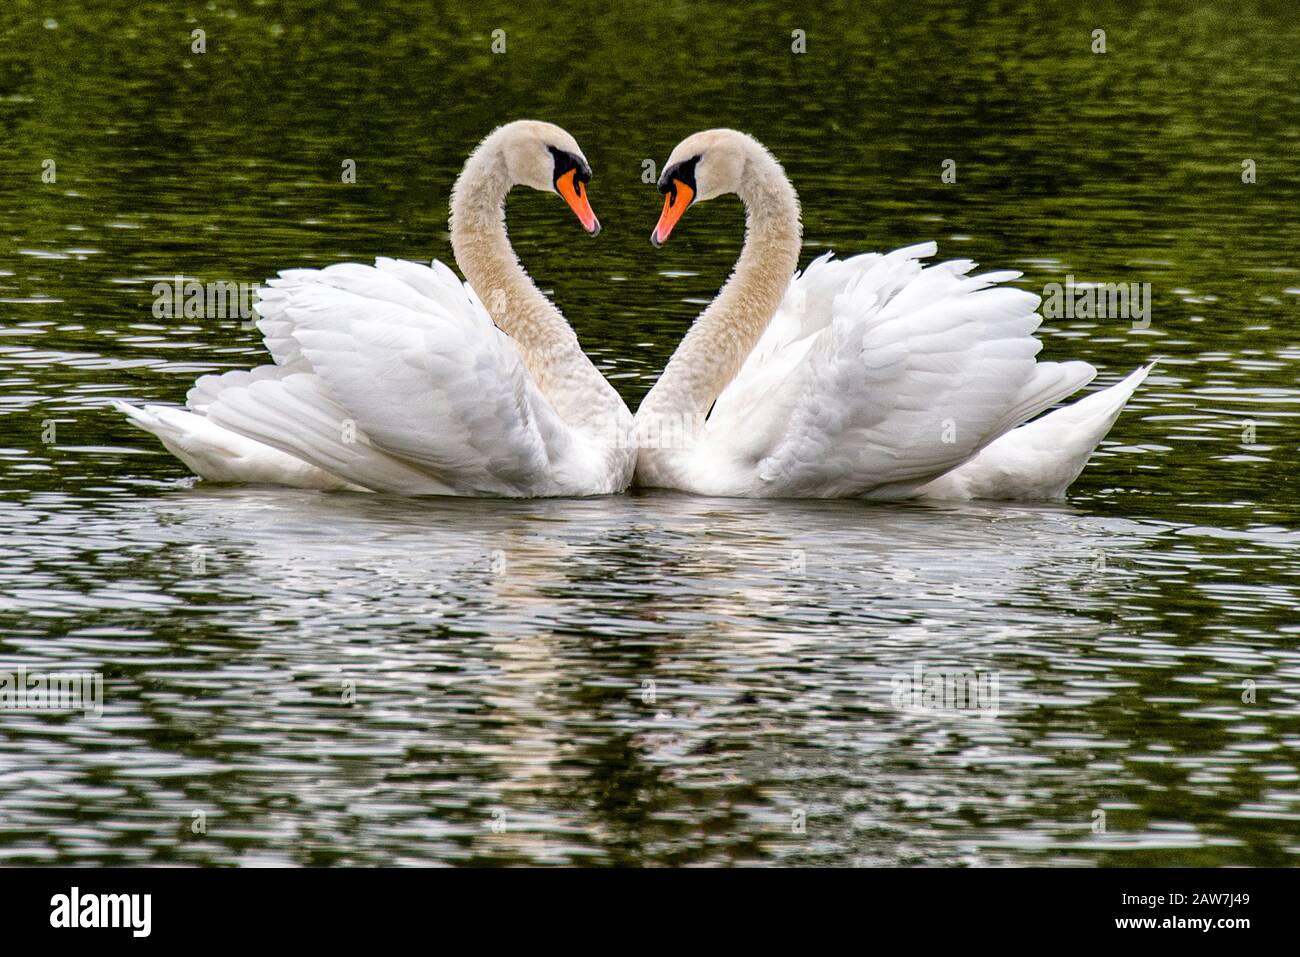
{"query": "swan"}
{"type": "Point", "coordinates": [398, 378]}
{"type": "Point", "coordinates": [873, 377]}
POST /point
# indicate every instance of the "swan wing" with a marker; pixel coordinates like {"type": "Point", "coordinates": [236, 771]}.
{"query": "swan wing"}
{"type": "Point", "coordinates": [406, 356]}
{"type": "Point", "coordinates": [207, 388]}
{"type": "Point", "coordinates": [878, 374]}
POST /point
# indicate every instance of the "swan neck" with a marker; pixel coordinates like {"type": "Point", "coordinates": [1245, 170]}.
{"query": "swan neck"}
{"type": "Point", "coordinates": [483, 251]}
{"type": "Point", "coordinates": [722, 337]}
{"type": "Point", "coordinates": [546, 341]}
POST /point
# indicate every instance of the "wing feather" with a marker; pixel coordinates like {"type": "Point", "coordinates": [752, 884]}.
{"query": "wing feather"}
{"type": "Point", "coordinates": [878, 374]}
{"type": "Point", "coordinates": [411, 354]}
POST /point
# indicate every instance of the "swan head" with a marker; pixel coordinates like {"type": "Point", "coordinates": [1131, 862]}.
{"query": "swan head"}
{"type": "Point", "coordinates": [703, 166]}
{"type": "Point", "coordinates": [546, 158]}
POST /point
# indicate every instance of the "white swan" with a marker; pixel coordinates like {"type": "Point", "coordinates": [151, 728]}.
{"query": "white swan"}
{"type": "Point", "coordinates": [396, 378]}
{"type": "Point", "coordinates": [872, 377]}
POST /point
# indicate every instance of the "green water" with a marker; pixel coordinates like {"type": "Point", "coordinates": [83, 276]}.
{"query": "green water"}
{"type": "Point", "coordinates": [651, 678]}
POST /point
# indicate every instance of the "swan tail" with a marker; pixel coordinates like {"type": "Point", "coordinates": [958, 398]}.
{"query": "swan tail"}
{"type": "Point", "coordinates": [1042, 459]}
{"type": "Point", "coordinates": [219, 455]}
{"type": "Point", "coordinates": [297, 416]}
{"type": "Point", "coordinates": [1050, 383]}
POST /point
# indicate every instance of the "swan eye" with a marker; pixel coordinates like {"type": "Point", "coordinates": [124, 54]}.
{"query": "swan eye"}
{"type": "Point", "coordinates": [563, 161]}
{"type": "Point", "coordinates": [683, 172]}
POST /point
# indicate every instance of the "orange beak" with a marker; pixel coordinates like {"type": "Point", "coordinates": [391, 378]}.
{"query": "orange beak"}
{"type": "Point", "coordinates": [675, 203]}
{"type": "Point", "coordinates": [575, 195]}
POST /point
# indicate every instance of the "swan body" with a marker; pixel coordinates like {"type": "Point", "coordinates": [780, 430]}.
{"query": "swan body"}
{"type": "Point", "coordinates": [398, 378]}
{"type": "Point", "coordinates": [874, 377]}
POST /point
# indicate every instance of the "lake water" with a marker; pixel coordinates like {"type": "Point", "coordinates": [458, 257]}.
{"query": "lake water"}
{"type": "Point", "coordinates": [300, 678]}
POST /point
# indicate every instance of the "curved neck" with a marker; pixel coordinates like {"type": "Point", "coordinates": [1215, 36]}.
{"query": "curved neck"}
{"type": "Point", "coordinates": [724, 334]}
{"type": "Point", "coordinates": [575, 388]}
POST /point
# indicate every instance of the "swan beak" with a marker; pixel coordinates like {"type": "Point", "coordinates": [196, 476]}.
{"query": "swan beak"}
{"type": "Point", "coordinates": [675, 203]}
{"type": "Point", "coordinates": [575, 194]}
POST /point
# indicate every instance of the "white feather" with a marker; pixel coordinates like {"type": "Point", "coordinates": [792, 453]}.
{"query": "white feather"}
{"type": "Point", "coordinates": [1041, 459]}
{"type": "Point", "coordinates": [389, 378]}
{"type": "Point", "coordinates": [877, 376]}
{"type": "Point", "coordinates": [219, 455]}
